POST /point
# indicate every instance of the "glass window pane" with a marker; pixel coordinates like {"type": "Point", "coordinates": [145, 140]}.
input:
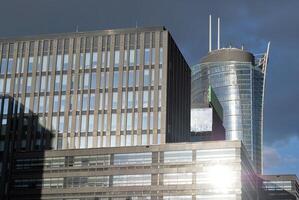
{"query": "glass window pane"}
{"type": "Point", "coordinates": [146, 56]}
{"type": "Point", "coordinates": [116, 58]}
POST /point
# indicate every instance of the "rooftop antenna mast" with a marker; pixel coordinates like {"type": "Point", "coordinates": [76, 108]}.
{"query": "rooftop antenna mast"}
{"type": "Point", "coordinates": [210, 33]}
{"type": "Point", "coordinates": [218, 41]}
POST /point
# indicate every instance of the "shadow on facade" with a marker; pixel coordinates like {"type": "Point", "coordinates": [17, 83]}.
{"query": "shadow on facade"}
{"type": "Point", "coordinates": [21, 133]}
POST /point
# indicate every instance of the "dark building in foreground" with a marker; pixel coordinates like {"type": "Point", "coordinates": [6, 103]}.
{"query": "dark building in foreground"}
{"type": "Point", "coordinates": [283, 187]}
{"type": "Point", "coordinates": [123, 87]}
{"type": "Point", "coordinates": [219, 170]}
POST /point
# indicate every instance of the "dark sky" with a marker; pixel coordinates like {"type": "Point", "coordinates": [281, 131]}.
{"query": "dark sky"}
{"type": "Point", "coordinates": [249, 22]}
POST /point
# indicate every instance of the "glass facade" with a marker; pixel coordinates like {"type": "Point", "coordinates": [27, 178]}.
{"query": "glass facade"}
{"type": "Point", "coordinates": [71, 91]}
{"type": "Point", "coordinates": [67, 83]}
{"type": "Point", "coordinates": [169, 171]}
{"type": "Point", "coordinates": [239, 86]}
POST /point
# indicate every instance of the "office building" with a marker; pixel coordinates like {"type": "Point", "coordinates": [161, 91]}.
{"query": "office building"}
{"type": "Point", "coordinates": [283, 187]}
{"type": "Point", "coordinates": [123, 87]}
{"type": "Point", "coordinates": [238, 80]}
{"type": "Point", "coordinates": [207, 119]}
{"type": "Point", "coordinates": [218, 170]}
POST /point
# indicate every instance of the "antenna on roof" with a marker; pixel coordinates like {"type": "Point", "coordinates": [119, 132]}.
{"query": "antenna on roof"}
{"type": "Point", "coordinates": [77, 28]}
{"type": "Point", "coordinates": [136, 24]}
{"type": "Point", "coordinates": [218, 41]}
{"type": "Point", "coordinates": [210, 33]}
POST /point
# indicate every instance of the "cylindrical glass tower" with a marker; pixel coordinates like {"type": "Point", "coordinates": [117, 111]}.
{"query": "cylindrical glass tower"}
{"type": "Point", "coordinates": [238, 83]}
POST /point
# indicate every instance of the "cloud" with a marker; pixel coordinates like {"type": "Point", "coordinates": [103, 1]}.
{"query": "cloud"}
{"type": "Point", "coordinates": [282, 157]}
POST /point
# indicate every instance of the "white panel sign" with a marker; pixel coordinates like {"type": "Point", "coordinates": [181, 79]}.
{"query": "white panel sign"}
{"type": "Point", "coordinates": [201, 119]}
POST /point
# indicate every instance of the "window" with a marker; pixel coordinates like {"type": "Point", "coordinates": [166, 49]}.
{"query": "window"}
{"type": "Point", "coordinates": [130, 99]}
{"type": "Point", "coordinates": [153, 56]}
{"type": "Point", "coordinates": [7, 89]}
{"type": "Point", "coordinates": [102, 84]}
{"type": "Point", "coordinates": [216, 154]}
{"type": "Point", "coordinates": [1, 85]}
{"type": "Point", "coordinates": [133, 158]}
{"type": "Point", "coordinates": [115, 79]}
{"type": "Point", "coordinates": [57, 82]}
{"type": "Point", "coordinates": [99, 122]}
{"type": "Point", "coordinates": [37, 84]}
{"type": "Point", "coordinates": [6, 101]}
{"type": "Point", "coordinates": [64, 82]}
{"type": "Point", "coordinates": [86, 81]}
{"type": "Point", "coordinates": [160, 98]}
{"type": "Point", "coordinates": [160, 76]}
{"type": "Point", "coordinates": [58, 64]}
{"type": "Point", "coordinates": [30, 65]}
{"type": "Point", "coordinates": [9, 68]}
{"type": "Point", "coordinates": [108, 59]}
{"type": "Point", "coordinates": [144, 139]}
{"type": "Point", "coordinates": [94, 60]}
{"type": "Point", "coordinates": [177, 178]}
{"type": "Point", "coordinates": [90, 123]}
{"type": "Point", "coordinates": [87, 60]}
{"type": "Point", "coordinates": [177, 156]}
{"type": "Point", "coordinates": [126, 58]}
{"type": "Point", "coordinates": [63, 102]}
{"type": "Point", "coordinates": [113, 121]}
{"type": "Point", "coordinates": [153, 77]}
{"type": "Point", "coordinates": [74, 61]}
{"type": "Point", "coordinates": [131, 78]}
{"type": "Point", "coordinates": [83, 123]}
{"type": "Point", "coordinates": [103, 59]}
{"type": "Point", "coordinates": [114, 100]}
{"type": "Point", "coordinates": [137, 78]}
{"type": "Point", "coordinates": [54, 123]}
{"type": "Point", "coordinates": [107, 80]}
{"type": "Point", "coordinates": [45, 63]}
{"type": "Point", "coordinates": [92, 102]}
{"type": "Point", "coordinates": [159, 120]}
{"type": "Point", "coordinates": [93, 80]}
{"type": "Point", "coordinates": [146, 56]}
{"type": "Point", "coordinates": [132, 180]}
{"type": "Point", "coordinates": [145, 99]}
{"type": "Point", "coordinates": [137, 57]}
{"type": "Point", "coordinates": [161, 56]}
{"type": "Point", "coordinates": [146, 77]}
{"type": "Point", "coordinates": [136, 99]}
{"type": "Point", "coordinates": [82, 61]}
{"type": "Point", "coordinates": [123, 121]}
{"type": "Point", "coordinates": [151, 120]}
{"type": "Point", "coordinates": [124, 79]}
{"type": "Point", "coordinates": [105, 123]}
{"type": "Point", "coordinates": [82, 142]}
{"type": "Point", "coordinates": [116, 58]}
{"type": "Point", "coordinates": [3, 65]}
{"type": "Point", "coordinates": [144, 120]}
{"type": "Point", "coordinates": [89, 141]}
{"type": "Point", "coordinates": [61, 124]}
{"type": "Point", "coordinates": [132, 57]}
{"type": "Point", "coordinates": [135, 120]}
{"type": "Point", "coordinates": [152, 98]}
{"type": "Point", "coordinates": [123, 102]}
{"type": "Point", "coordinates": [84, 102]}
{"type": "Point", "coordinates": [29, 83]}
{"type": "Point", "coordinates": [65, 61]}
{"type": "Point", "coordinates": [129, 121]}
{"type": "Point", "coordinates": [39, 64]}
{"type": "Point", "coordinates": [43, 84]}
{"type": "Point", "coordinates": [55, 103]}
